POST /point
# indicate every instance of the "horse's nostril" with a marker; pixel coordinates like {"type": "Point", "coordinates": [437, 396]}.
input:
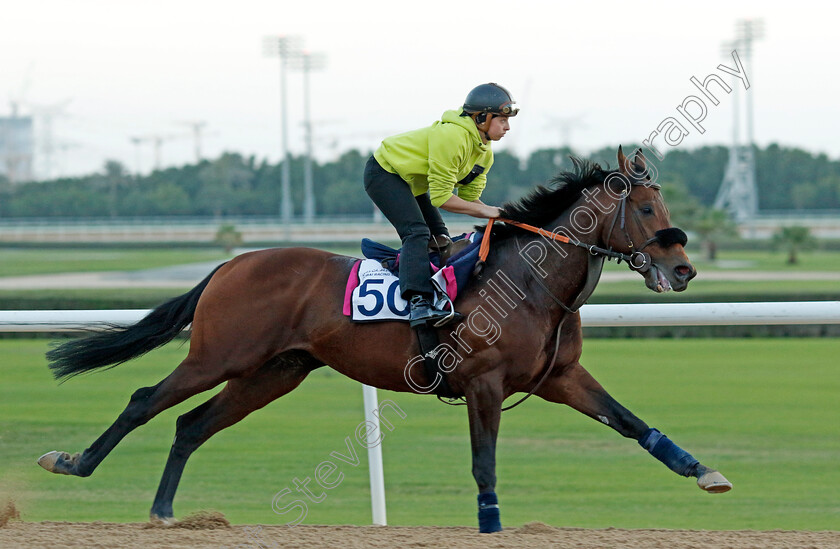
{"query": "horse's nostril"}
{"type": "Point", "coordinates": [683, 271]}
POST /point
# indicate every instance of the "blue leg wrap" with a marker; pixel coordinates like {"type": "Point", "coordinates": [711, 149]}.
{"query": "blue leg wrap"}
{"type": "Point", "coordinates": [488, 513]}
{"type": "Point", "coordinates": [674, 457]}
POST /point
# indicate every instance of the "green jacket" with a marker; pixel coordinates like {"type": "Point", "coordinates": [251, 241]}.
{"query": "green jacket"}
{"type": "Point", "coordinates": [437, 157]}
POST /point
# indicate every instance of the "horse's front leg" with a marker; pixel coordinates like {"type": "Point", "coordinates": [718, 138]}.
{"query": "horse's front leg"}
{"type": "Point", "coordinates": [578, 389]}
{"type": "Point", "coordinates": [484, 406]}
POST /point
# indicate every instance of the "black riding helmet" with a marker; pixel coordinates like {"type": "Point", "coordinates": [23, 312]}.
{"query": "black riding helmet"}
{"type": "Point", "coordinates": [489, 98]}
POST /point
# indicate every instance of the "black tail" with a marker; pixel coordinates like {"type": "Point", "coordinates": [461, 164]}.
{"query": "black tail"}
{"type": "Point", "coordinates": [120, 344]}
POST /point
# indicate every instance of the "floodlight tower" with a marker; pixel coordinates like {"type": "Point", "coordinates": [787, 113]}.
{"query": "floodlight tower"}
{"type": "Point", "coordinates": [136, 141]}
{"type": "Point", "coordinates": [285, 48]}
{"type": "Point", "coordinates": [308, 62]}
{"type": "Point", "coordinates": [197, 127]}
{"type": "Point", "coordinates": [738, 192]}
{"type": "Point", "coordinates": [47, 115]}
{"type": "Point", "coordinates": [565, 125]}
{"type": "Point", "coordinates": [749, 30]}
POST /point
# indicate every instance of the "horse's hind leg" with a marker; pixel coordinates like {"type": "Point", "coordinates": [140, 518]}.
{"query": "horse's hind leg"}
{"type": "Point", "coordinates": [188, 379]}
{"type": "Point", "coordinates": [578, 389]}
{"type": "Point", "coordinates": [240, 397]}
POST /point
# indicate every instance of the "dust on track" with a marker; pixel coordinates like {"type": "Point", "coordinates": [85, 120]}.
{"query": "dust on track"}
{"type": "Point", "coordinates": [8, 512]}
{"type": "Point", "coordinates": [211, 531]}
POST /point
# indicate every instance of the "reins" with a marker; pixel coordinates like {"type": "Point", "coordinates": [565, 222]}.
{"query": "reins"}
{"type": "Point", "coordinates": [637, 260]}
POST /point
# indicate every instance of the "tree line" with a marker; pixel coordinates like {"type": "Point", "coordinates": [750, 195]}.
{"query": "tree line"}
{"type": "Point", "coordinates": [237, 185]}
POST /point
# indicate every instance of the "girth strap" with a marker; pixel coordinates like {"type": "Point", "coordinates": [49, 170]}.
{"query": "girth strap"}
{"type": "Point", "coordinates": [428, 339]}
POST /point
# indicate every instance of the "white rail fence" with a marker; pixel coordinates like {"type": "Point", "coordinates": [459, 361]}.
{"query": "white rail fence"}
{"type": "Point", "coordinates": [648, 314]}
{"type": "Point", "coordinates": [660, 314]}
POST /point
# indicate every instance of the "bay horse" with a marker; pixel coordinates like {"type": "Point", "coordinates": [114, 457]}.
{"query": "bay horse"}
{"type": "Point", "coordinates": [266, 319]}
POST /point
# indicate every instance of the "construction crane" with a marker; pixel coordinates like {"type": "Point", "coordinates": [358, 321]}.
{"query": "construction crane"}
{"type": "Point", "coordinates": [157, 141]}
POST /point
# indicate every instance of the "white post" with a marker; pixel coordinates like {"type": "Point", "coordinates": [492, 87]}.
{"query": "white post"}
{"type": "Point", "coordinates": [377, 480]}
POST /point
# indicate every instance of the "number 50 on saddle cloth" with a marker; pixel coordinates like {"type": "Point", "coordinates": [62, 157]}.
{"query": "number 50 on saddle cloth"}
{"type": "Point", "coordinates": [373, 289]}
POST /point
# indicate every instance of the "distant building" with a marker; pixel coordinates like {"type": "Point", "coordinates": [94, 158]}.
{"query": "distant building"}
{"type": "Point", "coordinates": [17, 146]}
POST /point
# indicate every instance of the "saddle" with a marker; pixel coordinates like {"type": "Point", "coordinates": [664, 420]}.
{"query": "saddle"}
{"type": "Point", "coordinates": [445, 247]}
{"type": "Point", "coordinates": [458, 256]}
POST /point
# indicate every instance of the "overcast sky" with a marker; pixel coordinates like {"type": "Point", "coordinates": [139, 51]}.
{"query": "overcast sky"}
{"type": "Point", "coordinates": [125, 69]}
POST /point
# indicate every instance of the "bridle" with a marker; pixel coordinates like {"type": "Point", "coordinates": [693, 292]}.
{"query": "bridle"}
{"type": "Point", "coordinates": [637, 260]}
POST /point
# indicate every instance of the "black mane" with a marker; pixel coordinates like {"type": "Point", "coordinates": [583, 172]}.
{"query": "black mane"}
{"type": "Point", "coordinates": [545, 203]}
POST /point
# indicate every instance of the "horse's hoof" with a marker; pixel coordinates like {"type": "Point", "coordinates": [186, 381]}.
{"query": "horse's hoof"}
{"type": "Point", "coordinates": [162, 521]}
{"type": "Point", "coordinates": [714, 483]}
{"type": "Point", "coordinates": [55, 462]}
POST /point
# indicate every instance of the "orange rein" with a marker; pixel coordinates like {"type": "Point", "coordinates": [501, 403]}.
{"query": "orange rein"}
{"type": "Point", "coordinates": [484, 249]}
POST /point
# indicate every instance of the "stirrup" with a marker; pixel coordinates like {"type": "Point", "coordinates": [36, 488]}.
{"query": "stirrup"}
{"type": "Point", "coordinates": [452, 314]}
{"type": "Point", "coordinates": [445, 320]}
{"type": "Point", "coordinates": [431, 322]}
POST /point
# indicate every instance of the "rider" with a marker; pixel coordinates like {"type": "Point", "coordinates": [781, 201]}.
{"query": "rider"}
{"type": "Point", "coordinates": [412, 174]}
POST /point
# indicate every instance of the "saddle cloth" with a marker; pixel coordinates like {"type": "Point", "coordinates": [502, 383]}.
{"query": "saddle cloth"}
{"type": "Point", "coordinates": [373, 290]}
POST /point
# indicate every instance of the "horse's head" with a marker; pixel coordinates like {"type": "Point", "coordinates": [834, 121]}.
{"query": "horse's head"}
{"type": "Point", "coordinates": [642, 226]}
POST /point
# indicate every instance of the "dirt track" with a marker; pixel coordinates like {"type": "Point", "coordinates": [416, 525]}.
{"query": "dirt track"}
{"type": "Point", "coordinates": [55, 535]}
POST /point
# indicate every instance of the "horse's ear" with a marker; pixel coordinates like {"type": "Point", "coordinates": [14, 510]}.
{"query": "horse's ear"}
{"type": "Point", "coordinates": [639, 160]}
{"type": "Point", "coordinates": [622, 161]}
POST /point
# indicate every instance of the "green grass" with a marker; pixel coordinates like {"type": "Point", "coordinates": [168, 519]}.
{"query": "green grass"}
{"type": "Point", "coordinates": [17, 262]}
{"type": "Point", "coordinates": [749, 260]}
{"type": "Point", "coordinates": [758, 260]}
{"type": "Point", "coordinates": [83, 298]}
{"type": "Point", "coordinates": [703, 289]}
{"type": "Point", "coordinates": [719, 290]}
{"type": "Point", "coordinates": [21, 262]}
{"type": "Point", "coordinates": [625, 291]}
{"type": "Point", "coordinates": [741, 406]}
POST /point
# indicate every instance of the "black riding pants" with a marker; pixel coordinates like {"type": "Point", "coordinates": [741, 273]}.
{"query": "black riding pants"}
{"type": "Point", "coordinates": [415, 219]}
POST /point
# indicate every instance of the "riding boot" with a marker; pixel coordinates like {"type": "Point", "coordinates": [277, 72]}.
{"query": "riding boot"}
{"type": "Point", "coordinates": [422, 313]}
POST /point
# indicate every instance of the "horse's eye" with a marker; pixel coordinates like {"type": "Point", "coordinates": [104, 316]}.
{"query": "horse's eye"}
{"type": "Point", "coordinates": [647, 210]}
